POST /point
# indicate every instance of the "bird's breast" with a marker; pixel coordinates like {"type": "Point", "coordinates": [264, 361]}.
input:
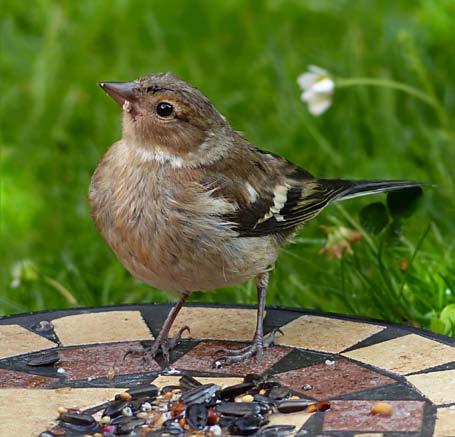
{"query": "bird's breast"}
{"type": "Point", "coordinates": [167, 231]}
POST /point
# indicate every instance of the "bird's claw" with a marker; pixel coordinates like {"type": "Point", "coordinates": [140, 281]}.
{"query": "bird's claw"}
{"type": "Point", "coordinates": [270, 339]}
{"type": "Point", "coordinates": [231, 356]}
{"type": "Point", "coordinates": [159, 346]}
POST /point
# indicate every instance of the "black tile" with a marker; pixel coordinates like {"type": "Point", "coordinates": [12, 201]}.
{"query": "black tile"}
{"type": "Point", "coordinates": [297, 359]}
{"type": "Point", "coordinates": [379, 337]}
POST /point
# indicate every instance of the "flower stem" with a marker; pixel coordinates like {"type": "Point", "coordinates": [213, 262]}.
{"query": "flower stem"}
{"type": "Point", "coordinates": [387, 83]}
{"type": "Point", "coordinates": [61, 289]}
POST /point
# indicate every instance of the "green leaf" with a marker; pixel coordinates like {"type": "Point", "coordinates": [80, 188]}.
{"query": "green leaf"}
{"type": "Point", "coordinates": [436, 325]}
{"type": "Point", "coordinates": [373, 217]}
{"type": "Point", "coordinates": [403, 203]}
{"type": "Point", "coordinates": [394, 232]}
{"type": "Point", "coordinates": [448, 317]}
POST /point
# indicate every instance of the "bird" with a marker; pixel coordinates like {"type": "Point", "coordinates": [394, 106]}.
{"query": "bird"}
{"type": "Point", "coordinates": [188, 204]}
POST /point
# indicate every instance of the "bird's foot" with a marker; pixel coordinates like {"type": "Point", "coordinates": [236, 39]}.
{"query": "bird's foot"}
{"type": "Point", "coordinates": [256, 348]}
{"type": "Point", "coordinates": [161, 345]}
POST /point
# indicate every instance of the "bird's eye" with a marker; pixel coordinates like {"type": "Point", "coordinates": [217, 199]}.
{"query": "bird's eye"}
{"type": "Point", "coordinates": [164, 109]}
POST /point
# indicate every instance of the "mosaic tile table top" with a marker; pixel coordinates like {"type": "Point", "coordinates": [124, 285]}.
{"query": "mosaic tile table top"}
{"type": "Point", "coordinates": [354, 363]}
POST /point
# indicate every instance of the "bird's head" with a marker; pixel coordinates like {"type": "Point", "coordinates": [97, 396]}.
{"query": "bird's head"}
{"type": "Point", "coordinates": [167, 119]}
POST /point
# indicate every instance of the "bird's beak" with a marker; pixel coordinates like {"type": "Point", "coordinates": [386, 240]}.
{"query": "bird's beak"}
{"type": "Point", "coordinates": [121, 92]}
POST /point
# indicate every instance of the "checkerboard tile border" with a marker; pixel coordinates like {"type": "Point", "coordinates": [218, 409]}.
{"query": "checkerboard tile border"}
{"type": "Point", "coordinates": [417, 365]}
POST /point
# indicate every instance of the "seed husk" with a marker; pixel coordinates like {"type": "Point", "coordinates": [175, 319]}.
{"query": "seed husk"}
{"type": "Point", "coordinates": [197, 416]}
{"type": "Point", "coordinates": [44, 360]}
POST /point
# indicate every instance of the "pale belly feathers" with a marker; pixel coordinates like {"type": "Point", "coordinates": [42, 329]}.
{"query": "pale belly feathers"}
{"type": "Point", "coordinates": [170, 235]}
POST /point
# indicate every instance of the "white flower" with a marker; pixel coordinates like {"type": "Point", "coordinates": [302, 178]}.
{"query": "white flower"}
{"type": "Point", "coordinates": [318, 88]}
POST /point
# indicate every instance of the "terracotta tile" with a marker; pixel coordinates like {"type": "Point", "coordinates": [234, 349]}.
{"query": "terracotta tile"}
{"type": "Point", "coordinates": [333, 380]}
{"type": "Point", "coordinates": [164, 380]}
{"type": "Point", "coordinates": [325, 334]}
{"type": "Point", "coordinates": [217, 323]}
{"type": "Point", "coordinates": [355, 416]}
{"type": "Point", "coordinates": [105, 327]}
{"type": "Point", "coordinates": [202, 356]}
{"type": "Point", "coordinates": [445, 423]}
{"type": "Point", "coordinates": [439, 387]}
{"type": "Point", "coordinates": [407, 354]}
{"type": "Point", "coordinates": [39, 407]}
{"type": "Point", "coordinates": [11, 378]}
{"type": "Point", "coordinates": [16, 340]}
{"type": "Point", "coordinates": [101, 360]}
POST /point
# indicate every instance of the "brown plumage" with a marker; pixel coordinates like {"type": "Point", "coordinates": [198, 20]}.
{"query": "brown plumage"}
{"type": "Point", "coordinates": [187, 204]}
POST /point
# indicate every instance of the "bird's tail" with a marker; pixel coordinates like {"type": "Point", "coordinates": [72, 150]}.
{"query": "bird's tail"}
{"type": "Point", "coordinates": [345, 189]}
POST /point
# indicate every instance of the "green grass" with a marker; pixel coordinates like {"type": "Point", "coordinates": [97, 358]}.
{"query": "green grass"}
{"type": "Point", "coordinates": [245, 55]}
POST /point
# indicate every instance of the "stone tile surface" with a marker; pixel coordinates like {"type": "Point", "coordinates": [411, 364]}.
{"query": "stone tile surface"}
{"type": "Point", "coordinates": [164, 380]}
{"type": "Point", "coordinates": [355, 416]}
{"type": "Point", "coordinates": [104, 360]}
{"type": "Point", "coordinates": [104, 327]}
{"type": "Point", "coordinates": [369, 435]}
{"type": "Point", "coordinates": [11, 378]}
{"type": "Point", "coordinates": [445, 423]}
{"type": "Point", "coordinates": [325, 334]}
{"type": "Point", "coordinates": [201, 357]}
{"type": "Point", "coordinates": [215, 323]}
{"type": "Point", "coordinates": [439, 387]}
{"type": "Point", "coordinates": [296, 419]}
{"type": "Point", "coordinates": [328, 381]}
{"type": "Point", "coordinates": [38, 408]}
{"type": "Point", "coordinates": [403, 355]}
{"type": "Point", "coordinates": [16, 340]}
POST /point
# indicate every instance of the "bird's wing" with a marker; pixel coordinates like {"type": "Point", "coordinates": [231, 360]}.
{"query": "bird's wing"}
{"type": "Point", "coordinates": [271, 195]}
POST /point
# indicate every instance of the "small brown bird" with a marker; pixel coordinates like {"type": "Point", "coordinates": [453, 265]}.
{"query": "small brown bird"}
{"type": "Point", "coordinates": [186, 203]}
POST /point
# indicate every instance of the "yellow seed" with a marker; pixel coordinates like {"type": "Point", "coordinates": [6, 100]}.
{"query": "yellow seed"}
{"type": "Point", "coordinates": [125, 396]}
{"type": "Point", "coordinates": [105, 420]}
{"type": "Point", "coordinates": [294, 398]}
{"type": "Point", "coordinates": [247, 398]}
{"type": "Point", "coordinates": [62, 410]}
{"type": "Point", "coordinates": [262, 391]}
{"type": "Point", "coordinates": [381, 409]}
{"type": "Point", "coordinates": [167, 395]}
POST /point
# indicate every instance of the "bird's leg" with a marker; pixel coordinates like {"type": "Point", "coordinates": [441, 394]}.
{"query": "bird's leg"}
{"type": "Point", "coordinates": [162, 342]}
{"type": "Point", "coordinates": [258, 344]}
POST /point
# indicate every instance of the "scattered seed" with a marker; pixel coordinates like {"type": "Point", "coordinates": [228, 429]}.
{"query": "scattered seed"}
{"type": "Point", "coordinates": [125, 396]}
{"type": "Point", "coordinates": [115, 408]}
{"type": "Point", "coordinates": [318, 406]}
{"type": "Point", "coordinates": [381, 409]}
{"type": "Point", "coordinates": [105, 420]}
{"type": "Point", "coordinates": [192, 409]}
{"type": "Point", "coordinates": [146, 406]}
{"type": "Point", "coordinates": [62, 410]}
{"type": "Point", "coordinates": [111, 374]}
{"type": "Point", "coordinates": [148, 391]}
{"type": "Point", "coordinates": [127, 412]}
{"type": "Point", "coordinates": [307, 387]}
{"type": "Point", "coordinates": [43, 360]}
{"type": "Point", "coordinates": [292, 406]}
{"type": "Point", "coordinates": [329, 362]}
